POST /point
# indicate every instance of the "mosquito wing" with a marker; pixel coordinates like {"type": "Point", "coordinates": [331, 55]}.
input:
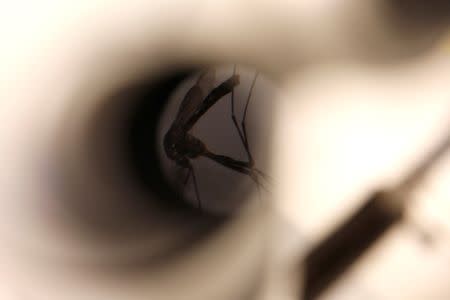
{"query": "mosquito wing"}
{"type": "Point", "coordinates": [195, 96]}
{"type": "Point", "coordinates": [212, 98]}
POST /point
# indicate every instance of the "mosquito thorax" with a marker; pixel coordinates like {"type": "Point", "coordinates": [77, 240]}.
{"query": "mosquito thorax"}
{"type": "Point", "coordinates": [170, 144]}
{"type": "Point", "coordinates": [193, 146]}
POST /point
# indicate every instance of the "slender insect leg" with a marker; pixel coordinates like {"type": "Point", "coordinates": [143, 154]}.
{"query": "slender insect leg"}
{"type": "Point", "coordinates": [243, 134]}
{"type": "Point", "coordinates": [188, 175]}
{"type": "Point", "coordinates": [233, 114]}
{"type": "Point", "coordinates": [194, 180]}
{"type": "Point", "coordinates": [244, 118]}
{"type": "Point", "coordinates": [236, 165]}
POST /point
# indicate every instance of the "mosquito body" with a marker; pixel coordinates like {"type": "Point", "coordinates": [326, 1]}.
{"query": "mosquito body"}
{"type": "Point", "coordinates": [181, 146]}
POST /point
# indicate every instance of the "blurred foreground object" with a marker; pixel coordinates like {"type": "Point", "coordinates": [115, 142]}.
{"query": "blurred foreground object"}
{"type": "Point", "coordinates": [62, 61]}
{"type": "Point", "coordinates": [328, 260]}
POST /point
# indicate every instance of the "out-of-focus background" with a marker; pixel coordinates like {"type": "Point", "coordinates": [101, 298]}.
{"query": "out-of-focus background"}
{"type": "Point", "coordinates": [363, 94]}
{"type": "Point", "coordinates": [358, 132]}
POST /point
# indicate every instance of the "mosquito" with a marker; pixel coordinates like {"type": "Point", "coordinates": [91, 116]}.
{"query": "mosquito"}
{"type": "Point", "coordinates": [181, 146]}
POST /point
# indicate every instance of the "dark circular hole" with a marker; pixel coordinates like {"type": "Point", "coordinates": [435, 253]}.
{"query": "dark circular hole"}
{"type": "Point", "coordinates": [115, 184]}
{"type": "Point", "coordinates": [149, 97]}
{"type": "Point", "coordinates": [111, 187]}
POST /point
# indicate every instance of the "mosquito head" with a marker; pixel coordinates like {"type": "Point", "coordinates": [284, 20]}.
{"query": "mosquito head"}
{"type": "Point", "coordinates": [174, 146]}
{"type": "Point", "coordinates": [170, 146]}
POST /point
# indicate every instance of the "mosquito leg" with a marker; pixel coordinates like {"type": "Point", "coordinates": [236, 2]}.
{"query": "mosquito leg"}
{"type": "Point", "coordinates": [188, 175]}
{"type": "Point", "coordinates": [233, 114]}
{"type": "Point", "coordinates": [194, 179]}
{"type": "Point", "coordinates": [243, 134]}
{"type": "Point", "coordinates": [236, 165]}
{"type": "Point", "coordinates": [244, 118]}
{"type": "Point", "coordinates": [190, 171]}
